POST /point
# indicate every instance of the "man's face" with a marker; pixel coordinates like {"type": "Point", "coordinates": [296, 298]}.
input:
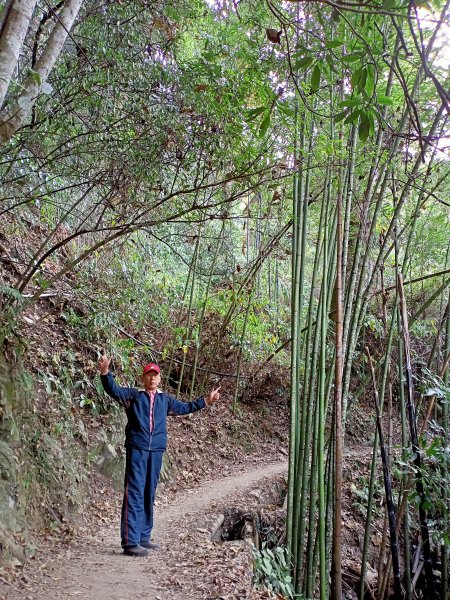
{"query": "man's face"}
{"type": "Point", "coordinates": [151, 380]}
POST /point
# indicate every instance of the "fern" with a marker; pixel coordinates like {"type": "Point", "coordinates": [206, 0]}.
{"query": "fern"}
{"type": "Point", "coordinates": [11, 292]}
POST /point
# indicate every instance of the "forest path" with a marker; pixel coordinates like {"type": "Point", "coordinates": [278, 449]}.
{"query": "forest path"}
{"type": "Point", "coordinates": [94, 568]}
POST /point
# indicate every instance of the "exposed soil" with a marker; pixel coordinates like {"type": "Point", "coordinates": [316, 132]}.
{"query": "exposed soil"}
{"type": "Point", "coordinates": [188, 566]}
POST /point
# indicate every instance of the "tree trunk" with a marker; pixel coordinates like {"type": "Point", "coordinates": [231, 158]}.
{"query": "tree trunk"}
{"type": "Point", "coordinates": [11, 120]}
{"type": "Point", "coordinates": [14, 27]}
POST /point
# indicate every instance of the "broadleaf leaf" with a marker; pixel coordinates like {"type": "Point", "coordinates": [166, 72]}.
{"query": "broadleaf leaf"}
{"type": "Point", "coordinates": [315, 78]}
{"type": "Point", "coordinates": [364, 127]}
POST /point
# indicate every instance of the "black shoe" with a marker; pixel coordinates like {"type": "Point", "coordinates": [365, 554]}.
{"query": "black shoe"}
{"type": "Point", "coordinates": [135, 551]}
{"type": "Point", "coordinates": [150, 546]}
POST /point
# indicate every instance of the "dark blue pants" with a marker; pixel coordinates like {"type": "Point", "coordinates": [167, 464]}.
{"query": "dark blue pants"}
{"type": "Point", "coordinates": [141, 478]}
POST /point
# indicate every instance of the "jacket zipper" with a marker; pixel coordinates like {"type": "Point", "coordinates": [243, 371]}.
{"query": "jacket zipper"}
{"type": "Point", "coordinates": [150, 417]}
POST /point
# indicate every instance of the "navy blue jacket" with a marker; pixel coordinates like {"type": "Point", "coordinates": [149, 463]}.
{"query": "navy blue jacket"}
{"type": "Point", "coordinates": [137, 407]}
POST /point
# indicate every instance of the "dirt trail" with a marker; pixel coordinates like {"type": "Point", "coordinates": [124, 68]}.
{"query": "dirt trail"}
{"type": "Point", "coordinates": [97, 569]}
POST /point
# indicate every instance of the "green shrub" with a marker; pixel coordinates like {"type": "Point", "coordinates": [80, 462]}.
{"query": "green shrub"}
{"type": "Point", "coordinates": [272, 571]}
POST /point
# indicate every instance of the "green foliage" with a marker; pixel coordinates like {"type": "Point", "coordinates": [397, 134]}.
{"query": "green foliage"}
{"type": "Point", "coordinates": [429, 384]}
{"type": "Point", "coordinates": [374, 324]}
{"type": "Point", "coordinates": [360, 493]}
{"type": "Point", "coordinates": [435, 460]}
{"type": "Point", "coordinates": [72, 318]}
{"type": "Point", "coordinates": [156, 121]}
{"type": "Point", "coordinates": [11, 293]}
{"type": "Point", "coordinates": [272, 571]}
{"type": "Point", "coordinates": [435, 474]}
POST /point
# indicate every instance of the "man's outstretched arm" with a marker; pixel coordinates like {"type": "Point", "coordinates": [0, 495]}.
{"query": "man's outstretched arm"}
{"type": "Point", "coordinates": [184, 408]}
{"type": "Point", "coordinates": [122, 394]}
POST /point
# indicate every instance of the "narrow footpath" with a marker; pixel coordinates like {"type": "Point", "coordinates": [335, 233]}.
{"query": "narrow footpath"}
{"type": "Point", "coordinates": [188, 567]}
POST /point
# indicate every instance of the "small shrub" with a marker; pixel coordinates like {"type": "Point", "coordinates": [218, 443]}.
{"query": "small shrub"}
{"type": "Point", "coordinates": [273, 572]}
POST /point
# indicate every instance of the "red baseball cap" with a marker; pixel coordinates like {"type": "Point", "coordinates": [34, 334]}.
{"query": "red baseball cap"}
{"type": "Point", "coordinates": [151, 367]}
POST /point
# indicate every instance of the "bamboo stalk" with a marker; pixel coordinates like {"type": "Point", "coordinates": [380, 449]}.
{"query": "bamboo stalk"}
{"type": "Point", "coordinates": [300, 427]}
{"type": "Point", "coordinates": [311, 356]}
{"type": "Point", "coordinates": [203, 310]}
{"type": "Point", "coordinates": [388, 338]}
{"type": "Point", "coordinates": [387, 488]}
{"type": "Point", "coordinates": [295, 286]}
{"type": "Point", "coordinates": [446, 467]}
{"type": "Point", "coordinates": [372, 478]}
{"type": "Point", "coordinates": [406, 524]}
{"type": "Point", "coordinates": [321, 419]}
{"type": "Point", "coordinates": [402, 518]}
{"type": "Point", "coordinates": [429, 575]}
{"type": "Point", "coordinates": [309, 566]}
{"type": "Point", "coordinates": [338, 429]}
{"type": "Point", "coordinates": [378, 189]}
{"type": "Point", "coordinates": [318, 384]}
{"type": "Point", "coordinates": [324, 381]}
{"type": "Point", "coordinates": [189, 315]}
{"type": "Point", "coordinates": [238, 369]}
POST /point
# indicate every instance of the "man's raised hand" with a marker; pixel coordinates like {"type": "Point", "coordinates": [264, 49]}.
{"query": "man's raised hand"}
{"type": "Point", "coordinates": [213, 396]}
{"type": "Point", "coordinates": [103, 364]}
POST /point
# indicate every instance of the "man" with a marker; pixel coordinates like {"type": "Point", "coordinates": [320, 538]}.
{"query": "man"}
{"type": "Point", "coordinates": [145, 442]}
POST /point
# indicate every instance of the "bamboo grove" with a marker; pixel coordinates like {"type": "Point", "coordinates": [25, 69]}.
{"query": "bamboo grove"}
{"type": "Point", "coordinates": [286, 166]}
{"type": "Point", "coordinates": [372, 194]}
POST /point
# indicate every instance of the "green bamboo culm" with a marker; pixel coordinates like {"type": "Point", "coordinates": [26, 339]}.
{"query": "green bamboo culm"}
{"type": "Point", "coordinates": [383, 582]}
{"type": "Point", "coordinates": [337, 317]}
{"type": "Point", "coordinates": [189, 316]}
{"type": "Point", "coordinates": [291, 524]}
{"type": "Point", "coordinates": [388, 489]}
{"type": "Point", "coordinates": [323, 320]}
{"type": "Point", "coordinates": [429, 575]}
{"type": "Point", "coordinates": [401, 385]}
{"type": "Point", "coordinates": [446, 467]}
{"type": "Point", "coordinates": [180, 315]}
{"type": "Point", "coordinates": [203, 310]}
{"type": "Point", "coordinates": [406, 524]}
{"type": "Point", "coordinates": [310, 357]}
{"type": "Point", "coordinates": [299, 449]}
{"type": "Point", "coordinates": [384, 541]}
{"type": "Point", "coordinates": [373, 469]}
{"type": "Point", "coordinates": [242, 340]}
